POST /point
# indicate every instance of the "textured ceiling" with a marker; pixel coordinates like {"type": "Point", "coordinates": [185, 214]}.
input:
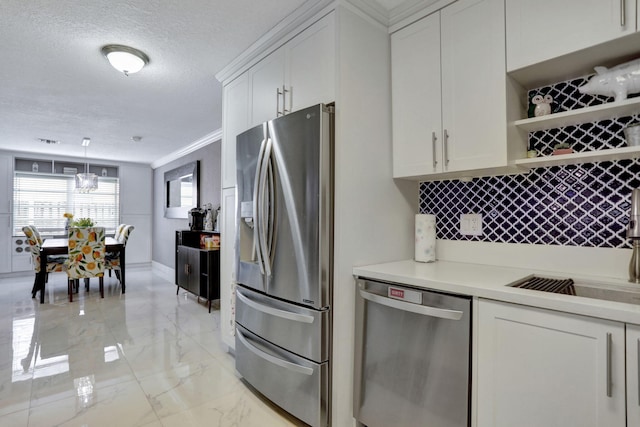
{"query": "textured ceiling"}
{"type": "Point", "coordinates": [55, 84]}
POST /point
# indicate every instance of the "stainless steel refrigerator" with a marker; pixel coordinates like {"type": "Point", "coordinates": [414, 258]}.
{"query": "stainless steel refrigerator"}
{"type": "Point", "coordinates": [284, 260]}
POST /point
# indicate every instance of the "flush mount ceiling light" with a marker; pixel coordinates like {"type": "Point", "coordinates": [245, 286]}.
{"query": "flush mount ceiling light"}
{"type": "Point", "coordinates": [125, 59]}
{"type": "Point", "coordinates": [86, 182]}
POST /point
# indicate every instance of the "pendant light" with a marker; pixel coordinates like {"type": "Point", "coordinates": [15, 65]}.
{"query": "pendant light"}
{"type": "Point", "coordinates": [86, 182]}
{"type": "Point", "coordinates": [125, 59]}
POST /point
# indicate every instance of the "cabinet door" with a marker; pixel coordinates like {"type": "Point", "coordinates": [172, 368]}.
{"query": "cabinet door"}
{"type": "Point", "coordinates": [236, 120]}
{"type": "Point", "coordinates": [227, 265]}
{"type": "Point", "coordinates": [543, 29]}
{"type": "Point", "coordinates": [633, 375]}
{"type": "Point", "coordinates": [545, 368]}
{"type": "Point", "coordinates": [310, 59]}
{"type": "Point", "coordinates": [416, 98]}
{"type": "Point", "coordinates": [182, 272]}
{"type": "Point", "coordinates": [266, 78]}
{"type": "Point", "coordinates": [194, 271]}
{"type": "Point", "coordinates": [474, 85]}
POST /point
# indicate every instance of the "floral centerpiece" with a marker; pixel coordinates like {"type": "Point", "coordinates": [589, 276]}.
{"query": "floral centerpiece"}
{"type": "Point", "coordinates": [68, 218]}
{"type": "Point", "coordinates": [82, 222]}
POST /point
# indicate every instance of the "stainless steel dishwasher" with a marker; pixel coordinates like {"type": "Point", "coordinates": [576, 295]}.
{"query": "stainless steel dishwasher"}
{"type": "Point", "coordinates": [412, 357]}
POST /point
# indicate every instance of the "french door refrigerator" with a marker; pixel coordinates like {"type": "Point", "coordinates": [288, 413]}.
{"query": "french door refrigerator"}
{"type": "Point", "coordinates": [284, 260]}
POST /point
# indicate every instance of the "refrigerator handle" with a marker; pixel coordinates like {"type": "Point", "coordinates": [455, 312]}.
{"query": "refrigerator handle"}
{"type": "Point", "coordinates": [262, 223]}
{"type": "Point", "coordinates": [296, 317]}
{"type": "Point", "coordinates": [270, 231]}
{"type": "Point", "coordinates": [272, 359]}
{"type": "Point", "coordinates": [256, 196]}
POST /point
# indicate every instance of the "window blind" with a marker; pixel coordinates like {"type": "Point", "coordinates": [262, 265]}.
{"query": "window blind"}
{"type": "Point", "coordinates": [42, 200]}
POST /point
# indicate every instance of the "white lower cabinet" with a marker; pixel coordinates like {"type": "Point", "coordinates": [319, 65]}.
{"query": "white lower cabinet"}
{"type": "Point", "coordinates": [545, 368]}
{"type": "Point", "coordinates": [633, 375]}
{"type": "Point", "coordinates": [227, 265]}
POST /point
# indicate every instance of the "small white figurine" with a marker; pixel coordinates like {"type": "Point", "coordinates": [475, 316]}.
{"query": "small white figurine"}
{"type": "Point", "coordinates": [618, 81]}
{"type": "Point", "coordinates": [543, 105]}
{"type": "Point", "coordinates": [208, 219]}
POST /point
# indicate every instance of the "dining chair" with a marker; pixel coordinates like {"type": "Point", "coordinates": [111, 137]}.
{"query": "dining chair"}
{"type": "Point", "coordinates": [119, 230]}
{"type": "Point", "coordinates": [117, 235]}
{"type": "Point", "coordinates": [54, 264]}
{"type": "Point", "coordinates": [113, 258]}
{"type": "Point", "coordinates": [86, 256]}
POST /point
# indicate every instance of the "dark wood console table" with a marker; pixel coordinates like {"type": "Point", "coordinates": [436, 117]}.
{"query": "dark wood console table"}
{"type": "Point", "coordinates": [197, 268]}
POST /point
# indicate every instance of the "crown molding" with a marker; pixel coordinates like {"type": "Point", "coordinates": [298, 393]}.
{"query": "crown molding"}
{"type": "Point", "coordinates": [196, 145]}
{"type": "Point", "coordinates": [274, 38]}
{"type": "Point", "coordinates": [372, 9]}
{"type": "Point", "coordinates": [412, 11]}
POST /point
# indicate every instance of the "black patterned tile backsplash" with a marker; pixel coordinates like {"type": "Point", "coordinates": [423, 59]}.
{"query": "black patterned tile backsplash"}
{"type": "Point", "coordinates": [577, 205]}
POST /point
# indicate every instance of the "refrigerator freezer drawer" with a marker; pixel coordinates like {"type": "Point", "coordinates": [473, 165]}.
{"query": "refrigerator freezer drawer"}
{"type": "Point", "coordinates": [297, 385]}
{"type": "Point", "coordinates": [300, 330]}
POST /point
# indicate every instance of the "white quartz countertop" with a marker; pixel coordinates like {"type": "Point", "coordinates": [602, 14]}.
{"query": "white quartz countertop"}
{"type": "Point", "coordinates": [491, 282]}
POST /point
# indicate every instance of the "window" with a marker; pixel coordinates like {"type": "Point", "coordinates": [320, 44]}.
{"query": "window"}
{"type": "Point", "coordinates": [42, 200]}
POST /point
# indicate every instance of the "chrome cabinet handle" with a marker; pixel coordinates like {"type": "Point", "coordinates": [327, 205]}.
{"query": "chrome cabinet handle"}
{"type": "Point", "coordinates": [446, 147]}
{"type": "Point", "coordinates": [609, 364]}
{"type": "Point", "coordinates": [269, 358]}
{"type": "Point", "coordinates": [424, 310]}
{"type": "Point", "coordinates": [638, 357]}
{"type": "Point", "coordinates": [623, 13]}
{"type": "Point", "coordinates": [278, 93]}
{"type": "Point", "coordinates": [284, 101]}
{"type": "Point", "coordinates": [434, 139]}
{"type": "Point", "coordinates": [296, 317]}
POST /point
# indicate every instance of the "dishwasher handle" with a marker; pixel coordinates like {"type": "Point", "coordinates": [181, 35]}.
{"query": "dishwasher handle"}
{"type": "Point", "coordinates": [424, 310]}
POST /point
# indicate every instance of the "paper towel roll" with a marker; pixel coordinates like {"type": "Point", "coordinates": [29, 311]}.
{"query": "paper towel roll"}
{"type": "Point", "coordinates": [425, 238]}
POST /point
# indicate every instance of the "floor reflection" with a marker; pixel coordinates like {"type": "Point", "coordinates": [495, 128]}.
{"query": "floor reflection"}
{"type": "Point", "coordinates": [147, 358]}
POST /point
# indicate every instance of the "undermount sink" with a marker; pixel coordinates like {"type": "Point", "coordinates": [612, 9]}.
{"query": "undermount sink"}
{"type": "Point", "coordinates": [619, 293]}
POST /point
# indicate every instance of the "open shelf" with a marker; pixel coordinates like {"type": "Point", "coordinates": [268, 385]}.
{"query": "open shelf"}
{"type": "Point", "coordinates": [623, 108]}
{"type": "Point", "coordinates": [584, 157]}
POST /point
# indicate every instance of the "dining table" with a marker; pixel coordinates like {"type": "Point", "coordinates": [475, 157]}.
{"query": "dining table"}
{"type": "Point", "coordinates": [59, 246]}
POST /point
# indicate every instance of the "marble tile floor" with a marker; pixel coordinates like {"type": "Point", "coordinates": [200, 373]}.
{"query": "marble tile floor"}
{"type": "Point", "coordinates": [146, 358]}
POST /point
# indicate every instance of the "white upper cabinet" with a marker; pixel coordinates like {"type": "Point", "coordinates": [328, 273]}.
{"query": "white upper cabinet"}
{"type": "Point", "coordinates": [310, 73]}
{"type": "Point", "coordinates": [416, 98]}
{"type": "Point", "coordinates": [267, 82]}
{"type": "Point", "coordinates": [299, 74]}
{"type": "Point", "coordinates": [474, 107]}
{"type": "Point", "coordinates": [544, 29]}
{"type": "Point", "coordinates": [236, 120]}
{"type": "Point", "coordinates": [545, 368]}
{"type": "Point", "coordinates": [449, 92]}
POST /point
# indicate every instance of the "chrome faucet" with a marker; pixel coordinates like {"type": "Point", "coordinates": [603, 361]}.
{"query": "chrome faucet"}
{"type": "Point", "coordinates": [633, 233]}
